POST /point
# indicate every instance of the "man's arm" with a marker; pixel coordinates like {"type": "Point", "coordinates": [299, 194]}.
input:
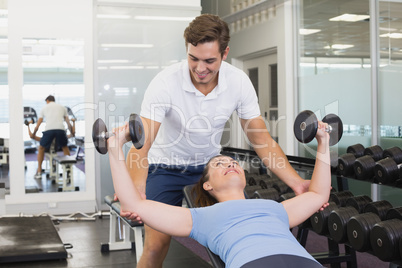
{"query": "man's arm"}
{"type": "Point", "coordinates": [70, 127]}
{"type": "Point", "coordinates": [272, 155]}
{"type": "Point", "coordinates": [40, 120]}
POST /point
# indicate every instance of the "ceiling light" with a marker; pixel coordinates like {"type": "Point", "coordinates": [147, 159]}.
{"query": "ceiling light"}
{"type": "Point", "coordinates": [387, 29]}
{"type": "Point", "coordinates": [127, 67]}
{"type": "Point", "coordinates": [113, 61]}
{"type": "Point", "coordinates": [128, 45]}
{"type": "Point", "coordinates": [350, 17]}
{"type": "Point", "coordinates": [338, 46]}
{"type": "Point", "coordinates": [164, 18]}
{"type": "Point", "coordinates": [392, 35]}
{"type": "Point", "coordinates": [110, 16]}
{"type": "Point", "coordinates": [26, 41]}
{"type": "Point", "coordinates": [61, 42]}
{"type": "Point", "coordinates": [308, 31]}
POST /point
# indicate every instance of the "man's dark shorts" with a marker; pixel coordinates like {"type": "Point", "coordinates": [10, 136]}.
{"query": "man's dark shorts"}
{"type": "Point", "coordinates": [58, 134]}
{"type": "Point", "coordinates": [165, 183]}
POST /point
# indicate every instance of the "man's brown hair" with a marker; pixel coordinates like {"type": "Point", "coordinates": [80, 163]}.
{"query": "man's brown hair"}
{"type": "Point", "coordinates": [207, 28]}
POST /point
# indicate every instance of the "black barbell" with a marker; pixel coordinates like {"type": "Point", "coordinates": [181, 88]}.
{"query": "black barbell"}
{"type": "Point", "coordinates": [306, 125]}
{"type": "Point", "coordinates": [135, 132]}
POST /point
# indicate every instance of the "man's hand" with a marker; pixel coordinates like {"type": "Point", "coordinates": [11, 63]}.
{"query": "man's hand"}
{"type": "Point", "coordinates": [129, 215]}
{"type": "Point", "coordinates": [302, 187]}
{"type": "Point", "coordinates": [324, 206]}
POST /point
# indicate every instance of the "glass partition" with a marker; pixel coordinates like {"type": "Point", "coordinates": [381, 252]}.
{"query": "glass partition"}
{"type": "Point", "coordinates": [134, 44]}
{"type": "Point", "coordinates": [4, 98]}
{"type": "Point", "coordinates": [335, 75]}
{"type": "Point", "coordinates": [53, 66]}
{"type": "Point", "coordinates": [389, 81]}
{"type": "Point", "coordinates": [335, 71]}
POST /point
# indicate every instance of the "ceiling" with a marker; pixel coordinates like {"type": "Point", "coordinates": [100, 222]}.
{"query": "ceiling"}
{"type": "Point", "coordinates": [316, 14]}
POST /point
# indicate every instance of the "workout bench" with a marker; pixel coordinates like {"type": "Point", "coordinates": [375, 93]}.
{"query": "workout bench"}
{"type": "Point", "coordinates": [67, 180]}
{"type": "Point", "coordinates": [51, 164]}
{"type": "Point", "coordinates": [124, 241]}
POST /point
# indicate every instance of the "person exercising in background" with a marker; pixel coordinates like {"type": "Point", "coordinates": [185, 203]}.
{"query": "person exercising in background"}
{"type": "Point", "coordinates": [184, 112]}
{"type": "Point", "coordinates": [55, 115]}
{"type": "Point", "coordinates": [246, 233]}
{"type": "Point", "coordinates": [37, 138]}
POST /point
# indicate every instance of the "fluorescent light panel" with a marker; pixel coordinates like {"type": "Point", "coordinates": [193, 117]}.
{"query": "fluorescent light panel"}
{"type": "Point", "coordinates": [164, 18]}
{"type": "Point", "coordinates": [350, 17]}
{"type": "Point", "coordinates": [128, 45]}
{"type": "Point", "coordinates": [113, 61]}
{"type": "Point", "coordinates": [308, 31]}
{"type": "Point", "coordinates": [133, 67]}
{"type": "Point", "coordinates": [339, 46]}
{"type": "Point", "coordinates": [392, 35]}
{"type": "Point", "coordinates": [113, 16]}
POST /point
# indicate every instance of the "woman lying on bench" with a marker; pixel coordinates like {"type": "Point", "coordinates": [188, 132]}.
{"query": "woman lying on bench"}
{"type": "Point", "coordinates": [245, 233]}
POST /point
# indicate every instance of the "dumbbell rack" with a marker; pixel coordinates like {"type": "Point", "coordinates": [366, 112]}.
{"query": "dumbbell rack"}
{"type": "Point", "coordinates": [302, 165]}
{"type": "Point", "coordinates": [343, 185]}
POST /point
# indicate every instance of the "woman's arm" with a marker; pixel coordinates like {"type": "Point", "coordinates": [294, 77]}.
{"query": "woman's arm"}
{"type": "Point", "coordinates": [168, 219]}
{"type": "Point", "coordinates": [304, 205]}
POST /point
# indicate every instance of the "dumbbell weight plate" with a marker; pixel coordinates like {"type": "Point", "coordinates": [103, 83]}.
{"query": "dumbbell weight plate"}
{"type": "Point", "coordinates": [100, 142]}
{"type": "Point", "coordinates": [305, 126]}
{"type": "Point", "coordinates": [336, 128]}
{"type": "Point", "coordinates": [136, 131]}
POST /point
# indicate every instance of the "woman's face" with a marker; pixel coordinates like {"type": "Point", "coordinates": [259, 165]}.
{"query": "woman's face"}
{"type": "Point", "coordinates": [224, 172]}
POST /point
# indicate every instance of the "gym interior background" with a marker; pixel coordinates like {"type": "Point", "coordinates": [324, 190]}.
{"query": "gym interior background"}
{"type": "Point", "coordinates": [97, 58]}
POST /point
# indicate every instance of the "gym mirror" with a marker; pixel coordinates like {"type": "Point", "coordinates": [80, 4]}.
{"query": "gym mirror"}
{"type": "Point", "coordinates": [53, 67]}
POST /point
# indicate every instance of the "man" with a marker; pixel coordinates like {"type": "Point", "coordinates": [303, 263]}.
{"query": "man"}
{"type": "Point", "coordinates": [184, 111]}
{"type": "Point", "coordinates": [55, 115]}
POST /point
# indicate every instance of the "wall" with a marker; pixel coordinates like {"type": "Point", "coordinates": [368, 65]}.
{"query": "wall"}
{"type": "Point", "coordinates": [273, 34]}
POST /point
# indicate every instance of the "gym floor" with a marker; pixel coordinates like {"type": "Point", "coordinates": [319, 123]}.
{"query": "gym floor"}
{"type": "Point", "coordinates": [86, 238]}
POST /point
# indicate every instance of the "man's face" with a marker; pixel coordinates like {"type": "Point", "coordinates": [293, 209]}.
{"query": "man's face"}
{"type": "Point", "coordinates": [204, 61]}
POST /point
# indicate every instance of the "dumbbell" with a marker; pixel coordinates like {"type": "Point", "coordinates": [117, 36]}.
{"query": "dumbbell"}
{"type": "Point", "coordinates": [339, 217]}
{"type": "Point", "coordinates": [359, 227]}
{"type": "Point", "coordinates": [250, 190]}
{"type": "Point", "coordinates": [271, 194]}
{"type": "Point", "coordinates": [306, 125]}
{"type": "Point", "coordinates": [286, 196]}
{"type": "Point", "coordinates": [386, 170]}
{"type": "Point", "coordinates": [135, 132]}
{"type": "Point", "coordinates": [319, 220]}
{"type": "Point", "coordinates": [364, 166]}
{"type": "Point", "coordinates": [346, 161]}
{"type": "Point", "coordinates": [281, 187]}
{"type": "Point", "coordinates": [385, 236]}
{"type": "Point", "coordinates": [255, 179]}
{"type": "Point", "coordinates": [26, 122]}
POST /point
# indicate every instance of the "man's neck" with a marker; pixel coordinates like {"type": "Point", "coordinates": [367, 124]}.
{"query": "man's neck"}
{"type": "Point", "coordinates": [206, 88]}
